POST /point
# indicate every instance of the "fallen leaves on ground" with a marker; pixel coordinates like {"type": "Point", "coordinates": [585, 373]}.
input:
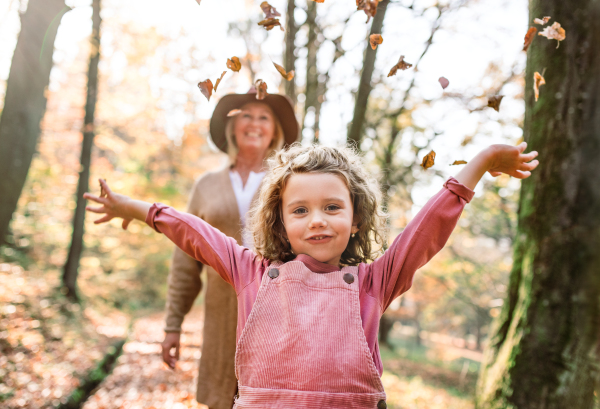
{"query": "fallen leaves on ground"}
{"type": "Point", "coordinates": [47, 344]}
{"type": "Point", "coordinates": [458, 162]}
{"type": "Point", "coordinates": [538, 81]}
{"type": "Point", "coordinates": [529, 38]}
{"type": "Point", "coordinates": [542, 21]}
{"type": "Point", "coordinates": [219, 80]}
{"type": "Point", "coordinates": [375, 40]}
{"type": "Point", "coordinates": [261, 89]}
{"type": "Point", "coordinates": [444, 82]}
{"type": "Point", "coordinates": [494, 102]}
{"type": "Point", "coordinates": [234, 112]}
{"type": "Point", "coordinates": [287, 75]}
{"type": "Point", "coordinates": [554, 32]}
{"type": "Point", "coordinates": [206, 88]}
{"type": "Point", "coordinates": [400, 65]}
{"type": "Point", "coordinates": [234, 64]}
{"type": "Point", "coordinates": [428, 160]}
{"type": "Point", "coordinates": [141, 379]}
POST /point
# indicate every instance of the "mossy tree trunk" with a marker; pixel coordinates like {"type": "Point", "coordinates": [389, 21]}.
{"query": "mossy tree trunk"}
{"type": "Point", "coordinates": [544, 349]}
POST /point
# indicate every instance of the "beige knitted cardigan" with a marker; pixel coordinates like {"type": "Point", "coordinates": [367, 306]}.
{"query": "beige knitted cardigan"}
{"type": "Point", "coordinates": [213, 200]}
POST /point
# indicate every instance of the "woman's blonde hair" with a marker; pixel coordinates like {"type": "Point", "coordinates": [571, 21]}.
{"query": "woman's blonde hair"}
{"type": "Point", "coordinates": [265, 219]}
{"type": "Point", "coordinates": [275, 145]}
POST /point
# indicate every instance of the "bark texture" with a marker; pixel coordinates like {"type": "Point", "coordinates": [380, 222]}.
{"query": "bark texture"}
{"type": "Point", "coordinates": [290, 49]}
{"type": "Point", "coordinates": [544, 351]}
{"type": "Point", "coordinates": [25, 101]}
{"type": "Point", "coordinates": [72, 264]}
{"type": "Point", "coordinates": [364, 86]}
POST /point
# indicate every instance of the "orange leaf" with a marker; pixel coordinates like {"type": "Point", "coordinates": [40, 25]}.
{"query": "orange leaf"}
{"type": "Point", "coordinates": [529, 38]}
{"type": "Point", "coordinates": [270, 11]}
{"type": "Point", "coordinates": [459, 162]}
{"type": "Point", "coordinates": [261, 89]}
{"type": "Point", "coordinates": [234, 64]}
{"type": "Point", "coordinates": [554, 32]}
{"type": "Point", "coordinates": [444, 82]}
{"type": "Point", "coordinates": [542, 21]}
{"type": "Point", "coordinates": [401, 65]}
{"type": "Point", "coordinates": [206, 87]}
{"type": "Point", "coordinates": [234, 112]}
{"type": "Point", "coordinates": [287, 75]}
{"type": "Point", "coordinates": [494, 102]}
{"type": "Point", "coordinates": [538, 81]}
{"type": "Point", "coordinates": [219, 80]}
{"type": "Point", "coordinates": [269, 23]}
{"type": "Point", "coordinates": [368, 6]}
{"type": "Point", "coordinates": [428, 160]}
{"type": "Point", "coordinates": [319, 1]}
{"type": "Point", "coordinates": [375, 40]}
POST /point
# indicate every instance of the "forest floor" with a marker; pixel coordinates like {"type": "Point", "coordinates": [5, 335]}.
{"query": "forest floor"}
{"type": "Point", "coordinates": [49, 347]}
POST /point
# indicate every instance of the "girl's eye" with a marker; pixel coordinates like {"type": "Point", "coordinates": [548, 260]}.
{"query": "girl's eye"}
{"type": "Point", "coordinates": [332, 207]}
{"type": "Point", "coordinates": [300, 210]}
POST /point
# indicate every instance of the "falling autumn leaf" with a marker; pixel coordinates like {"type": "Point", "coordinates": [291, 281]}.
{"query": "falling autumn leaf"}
{"type": "Point", "coordinates": [261, 89]}
{"type": "Point", "coordinates": [494, 102]}
{"type": "Point", "coordinates": [234, 112]}
{"type": "Point", "coordinates": [269, 23]}
{"type": "Point", "coordinates": [529, 38]}
{"type": "Point", "coordinates": [375, 40]}
{"type": "Point", "coordinates": [368, 6]}
{"type": "Point", "coordinates": [287, 75]}
{"type": "Point", "coordinates": [319, 1]}
{"type": "Point", "coordinates": [234, 64]}
{"type": "Point", "coordinates": [401, 65]}
{"type": "Point", "coordinates": [219, 80]}
{"type": "Point", "coordinates": [428, 160]}
{"type": "Point", "coordinates": [444, 82]}
{"type": "Point", "coordinates": [206, 87]}
{"type": "Point", "coordinates": [554, 32]}
{"type": "Point", "coordinates": [270, 11]}
{"type": "Point", "coordinates": [538, 81]}
{"type": "Point", "coordinates": [459, 162]}
{"type": "Point", "coordinates": [468, 139]}
{"type": "Point", "coordinates": [542, 21]}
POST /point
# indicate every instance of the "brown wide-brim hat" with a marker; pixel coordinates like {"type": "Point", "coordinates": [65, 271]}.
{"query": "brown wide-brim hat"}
{"type": "Point", "coordinates": [280, 104]}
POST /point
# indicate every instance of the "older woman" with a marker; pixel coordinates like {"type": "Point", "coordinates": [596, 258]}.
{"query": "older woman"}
{"type": "Point", "coordinates": [222, 198]}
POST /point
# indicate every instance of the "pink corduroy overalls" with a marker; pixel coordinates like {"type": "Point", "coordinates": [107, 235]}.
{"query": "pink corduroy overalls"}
{"type": "Point", "coordinates": [304, 346]}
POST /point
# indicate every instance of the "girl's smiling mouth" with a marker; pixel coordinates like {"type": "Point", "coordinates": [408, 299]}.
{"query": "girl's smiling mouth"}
{"type": "Point", "coordinates": [319, 239]}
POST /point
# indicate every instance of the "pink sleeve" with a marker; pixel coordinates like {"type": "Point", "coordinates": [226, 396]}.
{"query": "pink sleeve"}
{"type": "Point", "coordinates": [234, 263]}
{"type": "Point", "coordinates": [391, 275]}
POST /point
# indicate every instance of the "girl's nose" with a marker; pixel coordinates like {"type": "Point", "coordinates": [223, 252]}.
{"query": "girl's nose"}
{"type": "Point", "coordinates": [317, 221]}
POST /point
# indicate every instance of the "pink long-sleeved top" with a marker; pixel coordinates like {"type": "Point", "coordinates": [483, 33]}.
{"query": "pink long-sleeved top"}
{"type": "Point", "coordinates": [380, 281]}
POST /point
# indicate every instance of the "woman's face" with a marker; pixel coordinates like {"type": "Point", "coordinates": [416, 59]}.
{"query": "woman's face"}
{"type": "Point", "coordinates": [254, 128]}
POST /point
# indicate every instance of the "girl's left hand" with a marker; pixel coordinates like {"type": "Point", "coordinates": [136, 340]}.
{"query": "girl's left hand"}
{"type": "Point", "coordinates": [113, 205]}
{"type": "Point", "coordinates": [512, 161]}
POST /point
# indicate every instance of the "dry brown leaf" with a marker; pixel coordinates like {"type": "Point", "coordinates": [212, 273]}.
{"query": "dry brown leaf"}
{"type": "Point", "coordinates": [375, 40]}
{"type": "Point", "coordinates": [444, 82]}
{"type": "Point", "coordinates": [494, 102]}
{"type": "Point", "coordinates": [468, 139]}
{"type": "Point", "coordinates": [368, 6]}
{"type": "Point", "coordinates": [261, 89]}
{"type": "Point", "coordinates": [287, 75]}
{"type": "Point", "coordinates": [269, 23]}
{"type": "Point", "coordinates": [401, 65]}
{"type": "Point", "coordinates": [554, 32]}
{"type": "Point", "coordinates": [538, 81]}
{"type": "Point", "coordinates": [234, 64]}
{"type": "Point", "coordinates": [234, 112]}
{"type": "Point", "coordinates": [542, 21]}
{"type": "Point", "coordinates": [206, 87]}
{"type": "Point", "coordinates": [270, 11]}
{"type": "Point", "coordinates": [459, 162]}
{"type": "Point", "coordinates": [529, 38]}
{"type": "Point", "coordinates": [219, 80]}
{"type": "Point", "coordinates": [319, 1]}
{"type": "Point", "coordinates": [428, 160]}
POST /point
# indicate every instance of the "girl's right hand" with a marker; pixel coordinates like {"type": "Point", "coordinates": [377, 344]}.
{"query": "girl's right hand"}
{"type": "Point", "coordinates": [113, 205]}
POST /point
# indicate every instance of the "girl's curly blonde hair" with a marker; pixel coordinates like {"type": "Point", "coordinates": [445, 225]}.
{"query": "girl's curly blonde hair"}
{"type": "Point", "coordinates": [265, 221]}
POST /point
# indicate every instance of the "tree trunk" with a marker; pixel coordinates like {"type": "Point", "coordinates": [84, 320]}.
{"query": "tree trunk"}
{"type": "Point", "coordinates": [290, 49]}
{"type": "Point", "coordinates": [311, 91]}
{"type": "Point", "coordinates": [385, 326]}
{"type": "Point", "coordinates": [25, 101]}
{"type": "Point", "coordinates": [364, 86]}
{"type": "Point", "coordinates": [72, 264]}
{"type": "Point", "coordinates": [544, 348]}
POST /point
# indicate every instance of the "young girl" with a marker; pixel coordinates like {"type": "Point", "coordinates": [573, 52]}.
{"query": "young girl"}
{"type": "Point", "coordinates": [309, 301]}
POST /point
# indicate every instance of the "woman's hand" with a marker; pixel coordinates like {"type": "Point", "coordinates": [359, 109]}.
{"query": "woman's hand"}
{"type": "Point", "coordinates": [116, 205]}
{"type": "Point", "coordinates": [512, 161]}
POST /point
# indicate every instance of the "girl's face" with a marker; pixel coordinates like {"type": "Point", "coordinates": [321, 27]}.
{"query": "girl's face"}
{"type": "Point", "coordinates": [254, 128]}
{"type": "Point", "coordinates": [318, 216]}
